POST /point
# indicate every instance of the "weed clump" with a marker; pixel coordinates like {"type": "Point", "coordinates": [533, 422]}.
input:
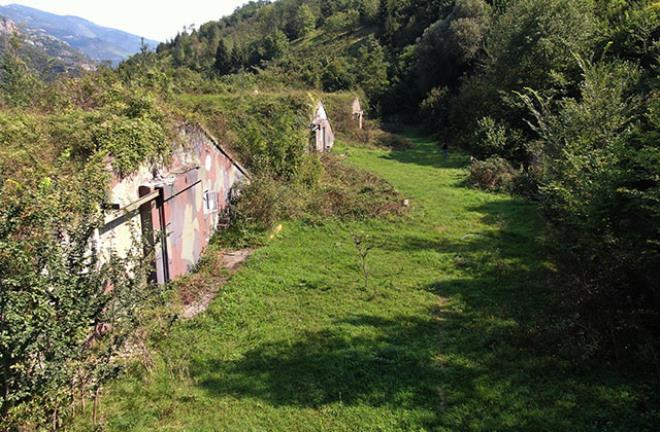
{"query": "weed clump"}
{"type": "Point", "coordinates": [336, 191]}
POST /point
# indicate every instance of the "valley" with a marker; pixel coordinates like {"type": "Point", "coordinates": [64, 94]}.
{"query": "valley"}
{"type": "Point", "coordinates": [330, 215]}
{"type": "Point", "coordinates": [448, 336]}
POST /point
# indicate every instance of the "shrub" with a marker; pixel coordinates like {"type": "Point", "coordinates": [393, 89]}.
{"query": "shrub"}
{"type": "Point", "coordinates": [272, 135]}
{"type": "Point", "coordinates": [372, 135]}
{"type": "Point", "coordinates": [495, 138]}
{"type": "Point", "coordinates": [19, 86]}
{"type": "Point", "coordinates": [259, 203]}
{"type": "Point", "coordinates": [310, 170]}
{"type": "Point", "coordinates": [434, 108]}
{"type": "Point", "coordinates": [600, 193]}
{"type": "Point", "coordinates": [61, 326]}
{"type": "Point", "coordinates": [337, 75]}
{"type": "Point", "coordinates": [489, 138]}
{"type": "Point", "coordinates": [339, 191]}
{"type": "Point", "coordinates": [343, 21]}
{"type": "Point", "coordinates": [477, 98]}
{"type": "Point", "coordinates": [352, 193]}
{"type": "Point", "coordinates": [338, 106]}
{"type": "Point", "coordinates": [493, 174]}
{"type": "Point", "coordinates": [393, 141]}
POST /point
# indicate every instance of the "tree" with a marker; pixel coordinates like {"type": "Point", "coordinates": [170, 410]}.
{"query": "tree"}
{"type": "Point", "coordinates": [223, 59]}
{"type": "Point", "coordinates": [60, 326]}
{"type": "Point", "coordinates": [343, 21]}
{"type": "Point", "coordinates": [370, 67]}
{"type": "Point", "coordinates": [275, 45]}
{"type": "Point", "coordinates": [304, 21]}
{"type": "Point", "coordinates": [337, 75]}
{"type": "Point", "coordinates": [329, 7]}
{"type": "Point", "coordinates": [450, 45]}
{"type": "Point", "coordinates": [18, 84]}
{"type": "Point", "coordinates": [530, 43]}
{"type": "Point", "coordinates": [600, 193]}
{"type": "Point", "coordinates": [239, 57]}
{"type": "Point", "coordinates": [368, 10]}
{"type": "Point", "coordinates": [534, 43]}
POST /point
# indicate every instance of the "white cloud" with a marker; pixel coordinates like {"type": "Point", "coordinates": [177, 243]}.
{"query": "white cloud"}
{"type": "Point", "coordinates": [154, 19]}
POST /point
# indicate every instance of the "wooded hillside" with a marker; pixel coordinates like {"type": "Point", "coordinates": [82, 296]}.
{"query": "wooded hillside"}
{"type": "Point", "coordinates": [555, 102]}
{"type": "Point", "coordinates": [558, 100]}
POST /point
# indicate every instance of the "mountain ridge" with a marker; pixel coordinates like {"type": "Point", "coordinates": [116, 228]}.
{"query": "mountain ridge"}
{"type": "Point", "coordinates": [99, 43]}
{"type": "Point", "coordinates": [40, 52]}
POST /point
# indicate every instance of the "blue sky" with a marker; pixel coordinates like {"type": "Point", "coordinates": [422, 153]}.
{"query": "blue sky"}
{"type": "Point", "coordinates": [154, 19]}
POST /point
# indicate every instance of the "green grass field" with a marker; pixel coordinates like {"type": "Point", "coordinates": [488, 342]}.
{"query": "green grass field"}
{"type": "Point", "coordinates": [447, 337]}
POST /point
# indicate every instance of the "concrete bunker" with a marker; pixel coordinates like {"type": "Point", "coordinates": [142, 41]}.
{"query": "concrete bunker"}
{"type": "Point", "coordinates": [174, 208]}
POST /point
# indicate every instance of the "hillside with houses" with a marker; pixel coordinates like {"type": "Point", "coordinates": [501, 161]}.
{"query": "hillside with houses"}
{"type": "Point", "coordinates": [333, 216]}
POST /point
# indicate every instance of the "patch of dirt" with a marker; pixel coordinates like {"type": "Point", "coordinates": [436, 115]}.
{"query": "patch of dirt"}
{"type": "Point", "coordinates": [228, 262]}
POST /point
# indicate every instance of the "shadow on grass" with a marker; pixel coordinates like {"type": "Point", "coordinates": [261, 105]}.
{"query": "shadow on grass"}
{"type": "Point", "coordinates": [480, 359]}
{"type": "Point", "coordinates": [361, 360]}
{"type": "Point", "coordinates": [437, 362]}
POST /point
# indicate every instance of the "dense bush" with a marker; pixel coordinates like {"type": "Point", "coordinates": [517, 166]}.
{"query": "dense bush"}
{"type": "Point", "coordinates": [342, 21]}
{"type": "Point", "coordinates": [18, 84]}
{"type": "Point", "coordinates": [449, 46]}
{"type": "Point", "coordinates": [273, 138]}
{"type": "Point", "coordinates": [59, 300]}
{"type": "Point", "coordinates": [269, 133]}
{"type": "Point", "coordinates": [339, 108]}
{"type": "Point", "coordinates": [493, 174]}
{"type": "Point", "coordinates": [600, 192]}
{"type": "Point", "coordinates": [587, 155]}
{"type": "Point", "coordinates": [337, 75]}
{"type": "Point", "coordinates": [489, 138]}
{"type": "Point", "coordinates": [434, 110]}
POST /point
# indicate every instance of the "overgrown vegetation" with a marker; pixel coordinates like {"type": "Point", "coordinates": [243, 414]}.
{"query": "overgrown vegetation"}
{"type": "Point", "coordinates": [66, 312]}
{"type": "Point", "coordinates": [460, 328]}
{"type": "Point", "coordinates": [59, 143]}
{"type": "Point", "coordinates": [329, 189]}
{"type": "Point", "coordinates": [556, 100]}
{"type": "Point", "coordinates": [556, 95]}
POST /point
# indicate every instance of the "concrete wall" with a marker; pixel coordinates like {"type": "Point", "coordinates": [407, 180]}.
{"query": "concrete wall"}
{"type": "Point", "coordinates": [324, 138]}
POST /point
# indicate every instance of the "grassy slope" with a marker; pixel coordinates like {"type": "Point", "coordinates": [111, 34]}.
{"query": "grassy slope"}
{"type": "Point", "coordinates": [445, 340]}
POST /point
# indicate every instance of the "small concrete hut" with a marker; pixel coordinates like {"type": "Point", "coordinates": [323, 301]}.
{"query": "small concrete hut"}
{"type": "Point", "coordinates": [323, 138]}
{"type": "Point", "coordinates": [358, 113]}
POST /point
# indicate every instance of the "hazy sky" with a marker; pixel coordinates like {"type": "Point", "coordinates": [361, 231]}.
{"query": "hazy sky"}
{"type": "Point", "coordinates": [154, 19]}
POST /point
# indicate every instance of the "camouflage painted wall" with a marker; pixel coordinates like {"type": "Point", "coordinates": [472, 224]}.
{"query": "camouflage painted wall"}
{"type": "Point", "coordinates": [177, 207]}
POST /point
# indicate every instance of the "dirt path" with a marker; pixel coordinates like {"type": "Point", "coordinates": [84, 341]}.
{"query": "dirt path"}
{"type": "Point", "coordinates": [230, 261]}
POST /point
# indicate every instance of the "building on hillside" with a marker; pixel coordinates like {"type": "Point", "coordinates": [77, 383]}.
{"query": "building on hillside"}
{"type": "Point", "coordinates": [174, 207]}
{"type": "Point", "coordinates": [358, 113]}
{"type": "Point", "coordinates": [323, 138]}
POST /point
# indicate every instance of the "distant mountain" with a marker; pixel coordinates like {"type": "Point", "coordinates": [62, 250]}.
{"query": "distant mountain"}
{"type": "Point", "coordinates": [41, 52]}
{"type": "Point", "coordinates": [96, 42]}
